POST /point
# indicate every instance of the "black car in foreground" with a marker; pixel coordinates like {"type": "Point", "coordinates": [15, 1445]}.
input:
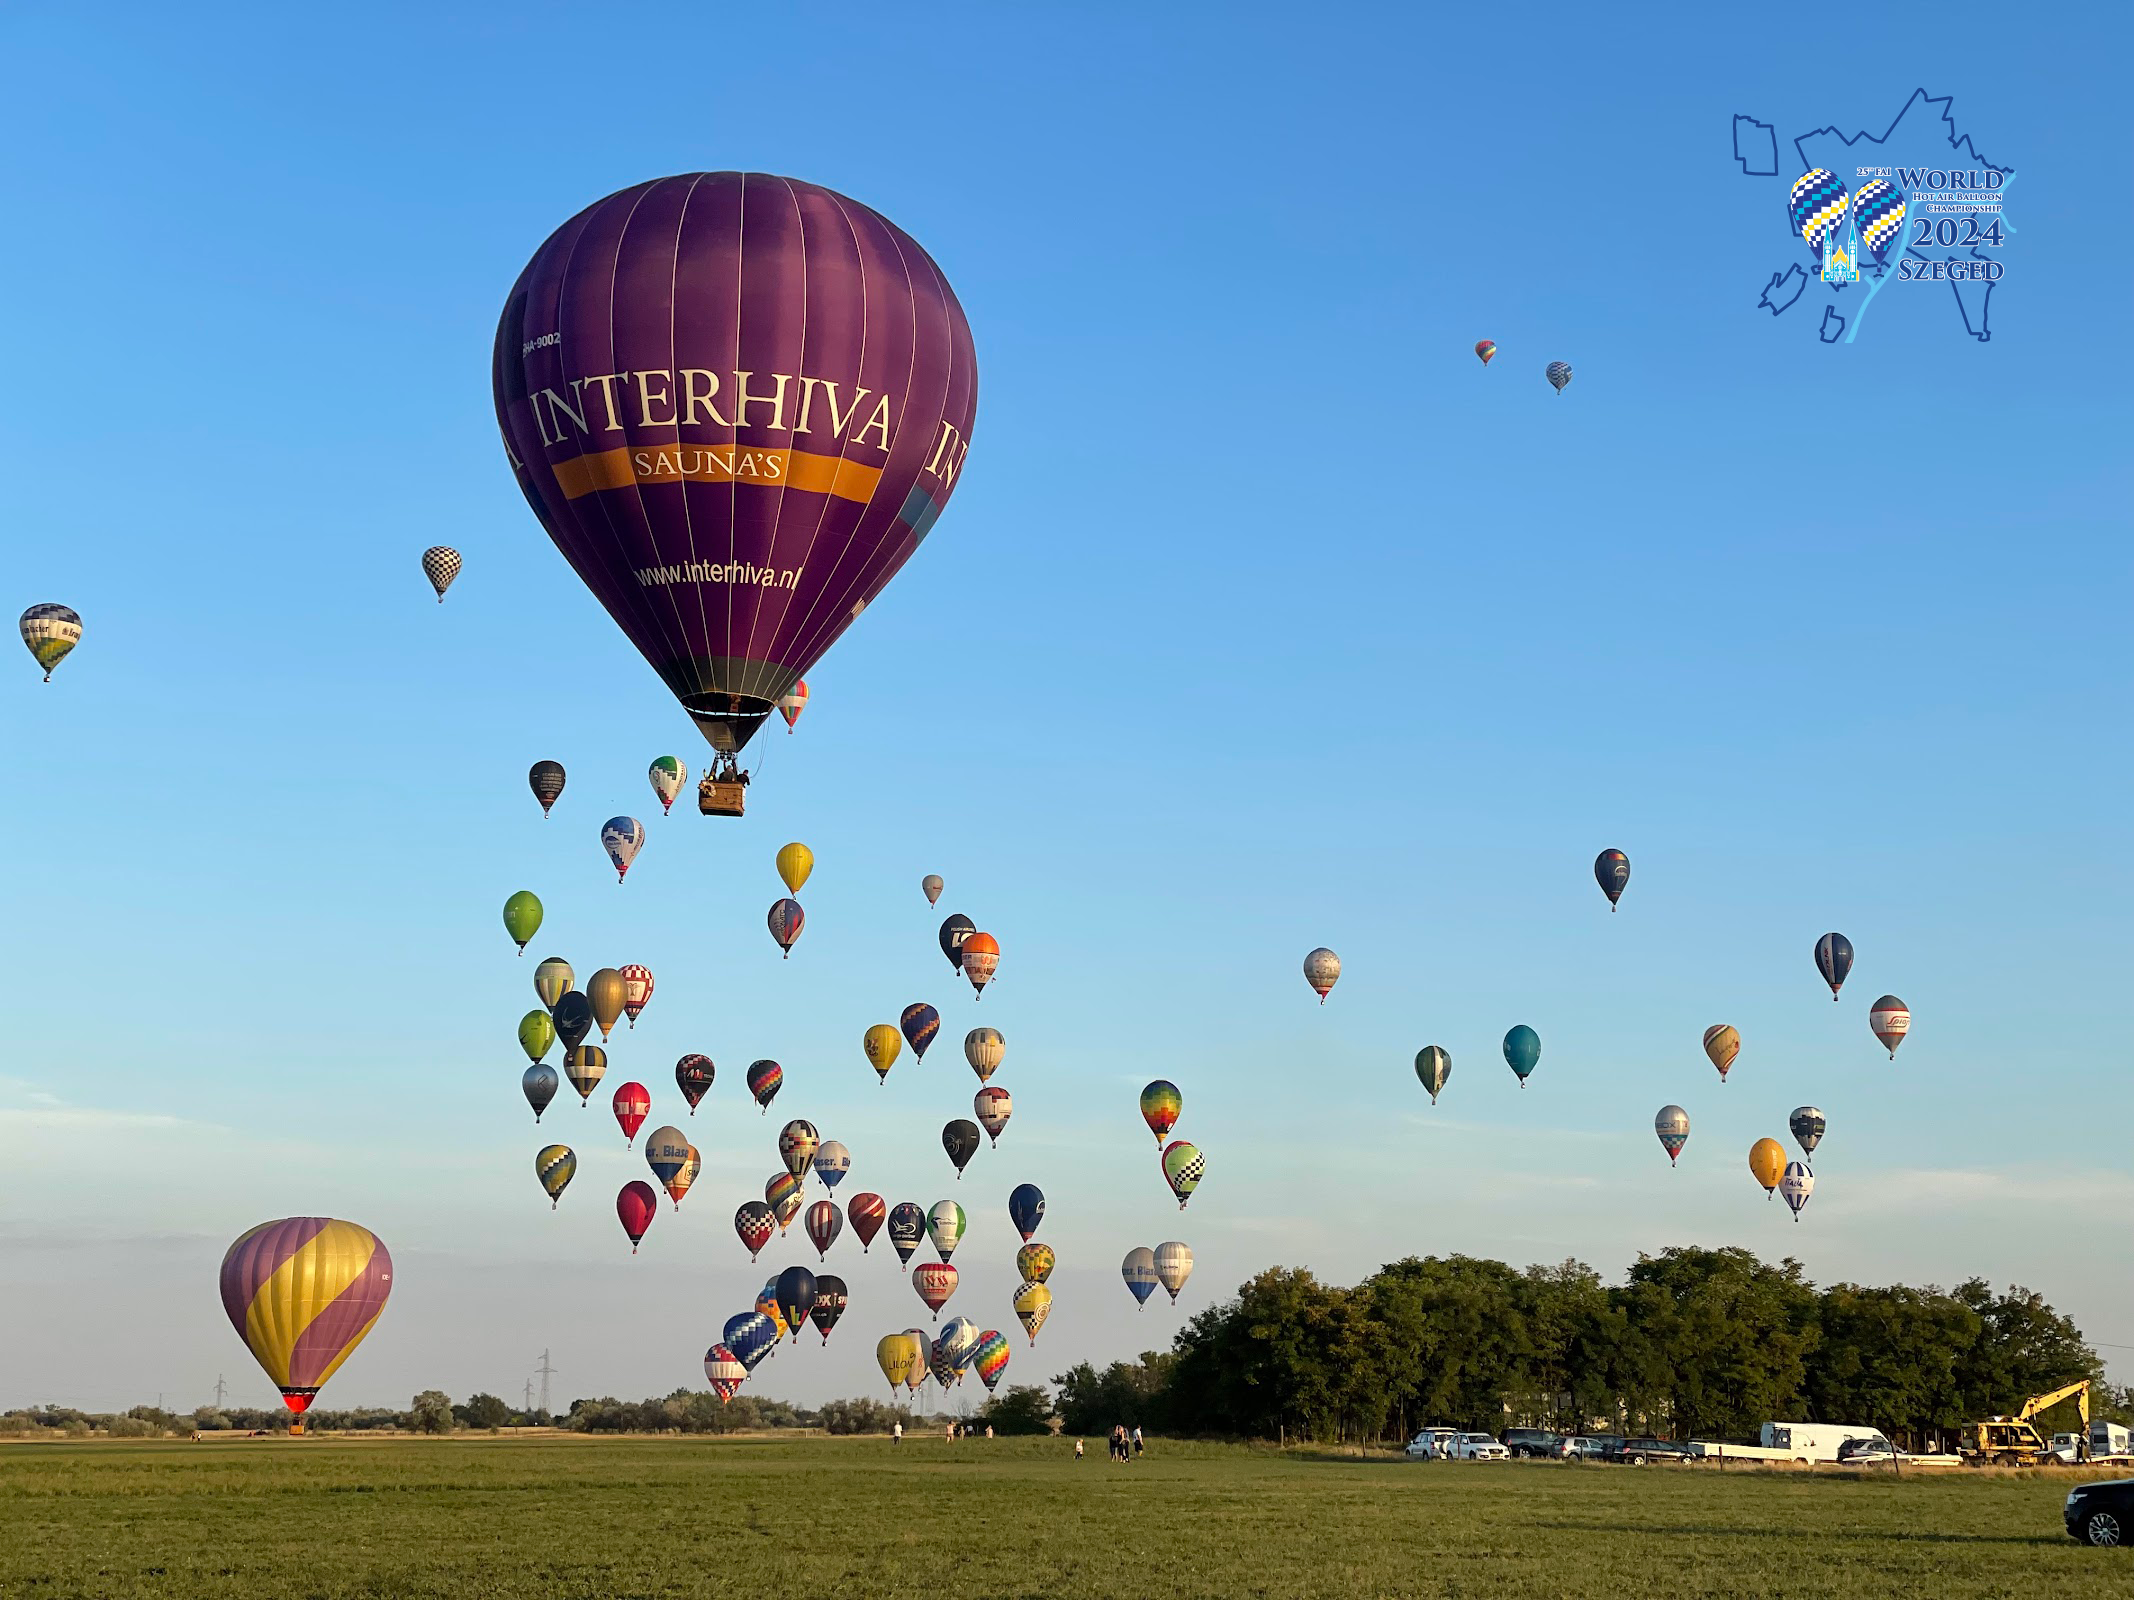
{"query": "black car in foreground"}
{"type": "Point", "coordinates": [2102, 1513]}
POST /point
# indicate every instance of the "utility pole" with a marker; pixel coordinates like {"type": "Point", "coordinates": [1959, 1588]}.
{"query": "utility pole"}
{"type": "Point", "coordinates": [220, 1389]}
{"type": "Point", "coordinates": [528, 1407]}
{"type": "Point", "coordinates": [546, 1371]}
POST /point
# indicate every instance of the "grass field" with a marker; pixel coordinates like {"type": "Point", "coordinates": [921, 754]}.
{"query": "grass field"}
{"type": "Point", "coordinates": [804, 1519]}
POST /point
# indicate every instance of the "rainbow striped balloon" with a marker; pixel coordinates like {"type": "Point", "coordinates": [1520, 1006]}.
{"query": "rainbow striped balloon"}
{"type": "Point", "coordinates": [990, 1357]}
{"type": "Point", "coordinates": [302, 1293]}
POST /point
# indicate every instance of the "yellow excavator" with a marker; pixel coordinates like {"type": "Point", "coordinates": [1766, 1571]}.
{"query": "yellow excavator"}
{"type": "Point", "coordinates": [2015, 1441]}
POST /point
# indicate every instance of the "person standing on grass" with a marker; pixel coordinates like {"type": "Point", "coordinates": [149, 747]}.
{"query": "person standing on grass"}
{"type": "Point", "coordinates": [989, 1430]}
{"type": "Point", "coordinates": [1137, 1439]}
{"type": "Point", "coordinates": [1078, 1449]}
{"type": "Point", "coordinates": [896, 1431]}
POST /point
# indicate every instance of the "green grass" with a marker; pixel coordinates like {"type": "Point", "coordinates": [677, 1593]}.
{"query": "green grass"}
{"type": "Point", "coordinates": [813, 1518]}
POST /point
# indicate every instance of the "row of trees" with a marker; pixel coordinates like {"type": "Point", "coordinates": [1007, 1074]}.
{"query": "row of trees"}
{"type": "Point", "coordinates": [1695, 1342]}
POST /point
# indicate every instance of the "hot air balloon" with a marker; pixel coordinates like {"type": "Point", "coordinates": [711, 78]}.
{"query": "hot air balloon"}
{"type": "Point", "coordinates": [785, 920]}
{"type": "Point", "coordinates": [1815, 205]}
{"type": "Point", "coordinates": [792, 703]}
{"type": "Point", "coordinates": [555, 1165]}
{"type": "Point", "coordinates": [51, 631]}
{"type": "Point", "coordinates": [941, 1359]}
{"type": "Point", "coordinates": [1878, 214]}
{"type": "Point", "coordinates": [1139, 1271]}
{"type": "Point", "coordinates": [767, 1305]}
{"type": "Point", "coordinates": [540, 1084]}
{"type": "Point", "coordinates": [755, 1224]}
{"type": "Point", "coordinates": [585, 1066]}
{"type": "Point", "coordinates": [1433, 1068]}
{"type": "Point", "coordinates": [989, 1357]}
{"type": "Point", "coordinates": [960, 1140]}
{"type": "Point", "coordinates": [622, 838]}
{"type": "Point", "coordinates": [724, 1371]}
{"type": "Point", "coordinates": [1174, 1264]}
{"type": "Point", "coordinates": [1807, 1125]}
{"type": "Point", "coordinates": [1183, 1165]}
{"type": "Point", "coordinates": [1767, 1160]}
{"type": "Point", "coordinates": [522, 917]}
{"type": "Point", "coordinates": [1485, 348]}
{"type": "Point", "coordinates": [919, 1023]}
{"type": "Point", "coordinates": [693, 1075]}
{"type": "Point", "coordinates": [796, 1297]}
{"type": "Point", "coordinates": [784, 1194]}
{"type": "Point", "coordinates": [1796, 1186]}
{"type": "Point", "coordinates": [931, 886]}
{"type": "Point", "coordinates": [1611, 870]}
{"type": "Point", "coordinates": [764, 1081]}
{"type": "Point", "coordinates": [831, 1162]}
{"type": "Point", "coordinates": [944, 1225]}
{"type": "Point", "coordinates": [882, 1043]}
{"type": "Point", "coordinates": [667, 775]}
{"type": "Point", "coordinates": [302, 1293]}
{"type": "Point", "coordinates": [440, 564]}
{"type": "Point", "coordinates": [894, 1354]}
{"type": "Point", "coordinates": [984, 1049]}
{"type": "Point", "coordinates": [553, 979]}
{"type": "Point", "coordinates": [907, 1226]}
{"type": "Point", "coordinates": [797, 1143]}
{"type": "Point", "coordinates": [865, 1214]}
{"type": "Point", "coordinates": [573, 1017]}
{"type": "Point", "coordinates": [1522, 1051]}
{"type": "Point", "coordinates": [992, 1106]}
{"type": "Point", "coordinates": [605, 991]}
{"type": "Point", "coordinates": [795, 862]}
{"type": "Point", "coordinates": [1322, 970]}
{"type": "Point", "coordinates": [954, 931]}
{"type": "Point", "coordinates": [666, 1149]}
{"type": "Point", "coordinates": [1672, 1125]}
{"type": "Point", "coordinates": [824, 1223]}
{"type": "Point", "coordinates": [1558, 374]}
{"type": "Point", "coordinates": [1161, 1104]}
{"type": "Point", "coordinates": [751, 1336]}
{"type": "Point", "coordinates": [979, 957]}
{"type": "Point", "coordinates": [761, 368]}
{"type": "Point", "coordinates": [1722, 1043]}
{"type": "Point", "coordinates": [1026, 1208]}
{"type": "Point", "coordinates": [635, 1207]}
{"type": "Point", "coordinates": [1892, 1020]}
{"type": "Point", "coordinates": [633, 1103]}
{"type": "Point", "coordinates": [1033, 1303]}
{"type": "Point", "coordinates": [1833, 959]}
{"type": "Point", "coordinates": [921, 1347]}
{"type": "Point", "coordinates": [636, 991]}
{"type": "Point", "coordinates": [679, 1184]}
{"type": "Point", "coordinates": [830, 1298]}
{"type": "Point", "coordinates": [537, 1035]}
{"type": "Point", "coordinates": [545, 778]}
{"type": "Point", "coordinates": [935, 1281]}
{"type": "Point", "coordinates": [1034, 1262]}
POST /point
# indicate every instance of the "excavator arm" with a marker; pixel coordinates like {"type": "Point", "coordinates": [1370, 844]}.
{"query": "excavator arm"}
{"type": "Point", "coordinates": [2045, 1402]}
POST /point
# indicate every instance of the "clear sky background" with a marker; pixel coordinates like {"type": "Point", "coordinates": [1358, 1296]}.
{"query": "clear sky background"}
{"type": "Point", "coordinates": [1264, 617]}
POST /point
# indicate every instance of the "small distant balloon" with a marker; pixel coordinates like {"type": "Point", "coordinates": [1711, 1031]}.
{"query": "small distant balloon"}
{"type": "Point", "coordinates": [797, 1143]}
{"type": "Point", "coordinates": [1891, 1019]}
{"type": "Point", "coordinates": [919, 1024]}
{"type": "Point", "coordinates": [783, 1193]}
{"type": "Point", "coordinates": [1161, 1105]}
{"type": "Point", "coordinates": [622, 838]}
{"type": "Point", "coordinates": [693, 1075]}
{"type": "Point", "coordinates": [984, 1049]}
{"type": "Point", "coordinates": [666, 1152]}
{"type": "Point", "coordinates": [992, 1106]}
{"type": "Point", "coordinates": [555, 1165]}
{"type": "Point", "coordinates": [1033, 1304]}
{"type": "Point", "coordinates": [1559, 375]}
{"type": "Point", "coordinates": [824, 1223]}
{"type": "Point", "coordinates": [764, 1080]}
{"type": "Point", "coordinates": [960, 1140]}
{"type": "Point", "coordinates": [553, 979]}
{"type": "Point", "coordinates": [1522, 1052]}
{"type": "Point", "coordinates": [750, 1335]}
{"type": "Point", "coordinates": [1174, 1264]}
{"type": "Point", "coordinates": [1722, 1043]}
{"type": "Point", "coordinates": [830, 1299]}
{"type": "Point", "coordinates": [635, 1207]}
{"type": "Point", "coordinates": [1672, 1125]}
{"type": "Point", "coordinates": [51, 632]}
{"type": "Point", "coordinates": [1139, 1271]}
{"type": "Point", "coordinates": [795, 862]}
{"type": "Point", "coordinates": [832, 1161]}
{"type": "Point", "coordinates": [1322, 970]}
{"type": "Point", "coordinates": [989, 1357]}
{"type": "Point", "coordinates": [545, 778]}
{"type": "Point", "coordinates": [1796, 1186]}
{"type": "Point", "coordinates": [954, 930]}
{"type": "Point", "coordinates": [1026, 1208]}
{"type": "Point", "coordinates": [540, 1084]}
{"type": "Point", "coordinates": [1808, 1126]}
{"type": "Point", "coordinates": [1485, 348]}
{"type": "Point", "coordinates": [684, 1176]}
{"type": "Point", "coordinates": [537, 1034]}
{"type": "Point", "coordinates": [1767, 1160]}
{"type": "Point", "coordinates": [632, 1104]}
{"type": "Point", "coordinates": [785, 920]}
{"type": "Point", "coordinates": [723, 1370]}
{"type": "Point", "coordinates": [667, 774]}
{"type": "Point", "coordinates": [944, 1226]}
{"type": "Point", "coordinates": [907, 1226]}
{"type": "Point", "coordinates": [522, 917]}
{"type": "Point", "coordinates": [935, 1281]}
{"type": "Point", "coordinates": [1611, 870]}
{"type": "Point", "coordinates": [1433, 1068]}
{"type": "Point", "coordinates": [979, 957]}
{"type": "Point", "coordinates": [931, 886]}
{"type": "Point", "coordinates": [605, 992]}
{"type": "Point", "coordinates": [882, 1044]}
{"type": "Point", "coordinates": [573, 1017]}
{"type": "Point", "coordinates": [1833, 959]}
{"type": "Point", "coordinates": [894, 1354]}
{"type": "Point", "coordinates": [440, 564]}
{"type": "Point", "coordinates": [585, 1065]}
{"type": "Point", "coordinates": [796, 1297]}
{"type": "Point", "coordinates": [793, 702]}
{"type": "Point", "coordinates": [1034, 1262]}
{"type": "Point", "coordinates": [866, 1214]}
{"type": "Point", "coordinates": [754, 1222]}
{"type": "Point", "coordinates": [1183, 1168]}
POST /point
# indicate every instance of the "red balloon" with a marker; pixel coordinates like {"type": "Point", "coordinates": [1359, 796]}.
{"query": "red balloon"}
{"type": "Point", "coordinates": [633, 1103]}
{"type": "Point", "coordinates": [865, 1214]}
{"type": "Point", "coordinates": [737, 403]}
{"type": "Point", "coordinates": [825, 1222]}
{"type": "Point", "coordinates": [637, 1205]}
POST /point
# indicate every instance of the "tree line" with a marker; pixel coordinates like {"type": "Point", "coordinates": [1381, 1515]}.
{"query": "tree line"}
{"type": "Point", "coordinates": [1694, 1343]}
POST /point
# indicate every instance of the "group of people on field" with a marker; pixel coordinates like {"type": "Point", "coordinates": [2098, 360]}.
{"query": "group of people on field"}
{"type": "Point", "coordinates": [1125, 1443]}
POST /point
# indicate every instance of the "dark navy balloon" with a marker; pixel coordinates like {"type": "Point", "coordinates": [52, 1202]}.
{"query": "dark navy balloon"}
{"type": "Point", "coordinates": [1026, 1208]}
{"type": "Point", "coordinates": [1522, 1051]}
{"type": "Point", "coordinates": [907, 1226]}
{"type": "Point", "coordinates": [953, 932]}
{"type": "Point", "coordinates": [1833, 959]}
{"type": "Point", "coordinates": [920, 1023]}
{"type": "Point", "coordinates": [750, 1336]}
{"type": "Point", "coordinates": [574, 1018]}
{"type": "Point", "coordinates": [960, 1140]}
{"type": "Point", "coordinates": [1611, 870]}
{"type": "Point", "coordinates": [796, 1297]}
{"type": "Point", "coordinates": [830, 1295]}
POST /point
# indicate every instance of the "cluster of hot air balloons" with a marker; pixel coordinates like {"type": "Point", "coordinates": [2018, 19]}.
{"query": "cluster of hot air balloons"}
{"type": "Point", "coordinates": [1558, 372]}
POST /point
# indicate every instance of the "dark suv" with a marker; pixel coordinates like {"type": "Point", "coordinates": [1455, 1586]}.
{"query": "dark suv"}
{"type": "Point", "coordinates": [1537, 1442]}
{"type": "Point", "coordinates": [1636, 1452]}
{"type": "Point", "coordinates": [2102, 1513]}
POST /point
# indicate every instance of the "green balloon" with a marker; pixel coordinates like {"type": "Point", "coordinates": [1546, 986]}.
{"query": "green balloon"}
{"type": "Point", "coordinates": [537, 1034]}
{"type": "Point", "coordinates": [522, 917]}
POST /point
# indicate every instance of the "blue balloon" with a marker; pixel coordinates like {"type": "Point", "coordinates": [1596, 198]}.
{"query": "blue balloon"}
{"type": "Point", "coordinates": [796, 1297]}
{"type": "Point", "coordinates": [1833, 959]}
{"type": "Point", "coordinates": [920, 1023]}
{"type": "Point", "coordinates": [1522, 1051]}
{"type": "Point", "coordinates": [1026, 1208]}
{"type": "Point", "coordinates": [750, 1336]}
{"type": "Point", "coordinates": [907, 1226]}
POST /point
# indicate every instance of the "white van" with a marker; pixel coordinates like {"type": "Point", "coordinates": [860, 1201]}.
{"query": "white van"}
{"type": "Point", "coordinates": [1817, 1441]}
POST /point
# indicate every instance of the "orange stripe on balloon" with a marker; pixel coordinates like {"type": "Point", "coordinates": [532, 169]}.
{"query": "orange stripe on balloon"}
{"type": "Point", "coordinates": [631, 467]}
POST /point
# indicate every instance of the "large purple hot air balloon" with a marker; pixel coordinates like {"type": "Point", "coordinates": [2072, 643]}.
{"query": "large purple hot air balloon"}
{"type": "Point", "coordinates": [737, 403]}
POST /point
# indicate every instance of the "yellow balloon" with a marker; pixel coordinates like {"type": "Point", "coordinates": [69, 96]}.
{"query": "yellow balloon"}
{"type": "Point", "coordinates": [895, 1353]}
{"type": "Point", "coordinates": [1033, 1303]}
{"type": "Point", "coordinates": [795, 862]}
{"type": "Point", "coordinates": [882, 1044]}
{"type": "Point", "coordinates": [606, 991]}
{"type": "Point", "coordinates": [1767, 1159]}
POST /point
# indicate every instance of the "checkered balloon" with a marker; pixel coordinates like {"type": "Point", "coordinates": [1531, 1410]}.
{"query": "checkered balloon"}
{"type": "Point", "coordinates": [1878, 212]}
{"type": "Point", "coordinates": [1815, 206]}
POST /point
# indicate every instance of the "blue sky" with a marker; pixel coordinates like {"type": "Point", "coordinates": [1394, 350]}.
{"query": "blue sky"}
{"type": "Point", "coordinates": [1263, 618]}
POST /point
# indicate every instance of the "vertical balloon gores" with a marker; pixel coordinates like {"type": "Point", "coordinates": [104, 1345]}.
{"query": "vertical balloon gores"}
{"type": "Point", "coordinates": [737, 403]}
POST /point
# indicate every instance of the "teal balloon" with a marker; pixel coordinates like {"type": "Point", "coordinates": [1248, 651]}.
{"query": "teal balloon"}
{"type": "Point", "coordinates": [1522, 1051]}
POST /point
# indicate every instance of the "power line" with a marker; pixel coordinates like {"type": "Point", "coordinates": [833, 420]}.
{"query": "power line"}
{"type": "Point", "coordinates": [546, 1371]}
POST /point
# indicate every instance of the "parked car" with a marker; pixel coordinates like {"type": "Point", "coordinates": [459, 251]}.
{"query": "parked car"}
{"type": "Point", "coordinates": [1636, 1452]}
{"type": "Point", "coordinates": [1866, 1453]}
{"type": "Point", "coordinates": [1537, 1442]}
{"type": "Point", "coordinates": [2101, 1513]}
{"type": "Point", "coordinates": [1583, 1447]}
{"type": "Point", "coordinates": [1478, 1447]}
{"type": "Point", "coordinates": [1433, 1444]}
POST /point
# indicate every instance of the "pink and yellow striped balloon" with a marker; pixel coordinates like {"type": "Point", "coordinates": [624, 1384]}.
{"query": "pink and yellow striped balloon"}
{"type": "Point", "coordinates": [302, 1293]}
